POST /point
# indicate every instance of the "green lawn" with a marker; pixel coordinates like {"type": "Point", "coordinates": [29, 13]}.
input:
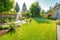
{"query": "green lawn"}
{"type": "Point", "coordinates": [39, 29]}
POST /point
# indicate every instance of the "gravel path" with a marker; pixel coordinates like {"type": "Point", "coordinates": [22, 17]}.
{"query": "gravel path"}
{"type": "Point", "coordinates": [58, 32]}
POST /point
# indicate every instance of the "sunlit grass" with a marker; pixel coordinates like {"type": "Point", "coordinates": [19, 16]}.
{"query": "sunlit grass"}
{"type": "Point", "coordinates": [39, 29]}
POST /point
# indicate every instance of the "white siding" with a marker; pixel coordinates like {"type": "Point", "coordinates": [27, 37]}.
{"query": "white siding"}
{"type": "Point", "coordinates": [57, 13]}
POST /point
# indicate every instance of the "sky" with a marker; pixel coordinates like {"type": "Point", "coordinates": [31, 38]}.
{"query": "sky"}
{"type": "Point", "coordinates": [44, 4]}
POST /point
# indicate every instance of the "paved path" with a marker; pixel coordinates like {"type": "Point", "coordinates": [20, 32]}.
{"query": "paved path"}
{"type": "Point", "coordinates": [58, 32]}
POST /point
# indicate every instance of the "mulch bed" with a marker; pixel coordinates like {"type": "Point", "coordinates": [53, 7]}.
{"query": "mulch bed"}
{"type": "Point", "coordinates": [4, 31]}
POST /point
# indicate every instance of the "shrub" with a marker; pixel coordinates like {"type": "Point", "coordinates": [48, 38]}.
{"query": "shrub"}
{"type": "Point", "coordinates": [0, 27]}
{"type": "Point", "coordinates": [5, 26]}
{"type": "Point", "coordinates": [11, 18]}
{"type": "Point", "coordinates": [23, 18]}
{"type": "Point", "coordinates": [49, 15]}
{"type": "Point", "coordinates": [11, 26]}
{"type": "Point", "coordinates": [5, 20]}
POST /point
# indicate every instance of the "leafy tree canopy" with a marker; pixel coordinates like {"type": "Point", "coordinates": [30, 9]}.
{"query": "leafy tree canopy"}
{"type": "Point", "coordinates": [6, 5]}
{"type": "Point", "coordinates": [35, 9]}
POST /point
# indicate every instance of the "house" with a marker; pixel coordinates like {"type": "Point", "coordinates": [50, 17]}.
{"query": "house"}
{"type": "Point", "coordinates": [57, 11]}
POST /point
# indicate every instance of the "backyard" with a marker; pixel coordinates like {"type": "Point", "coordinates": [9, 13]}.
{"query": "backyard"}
{"type": "Point", "coordinates": [39, 29]}
{"type": "Point", "coordinates": [29, 20]}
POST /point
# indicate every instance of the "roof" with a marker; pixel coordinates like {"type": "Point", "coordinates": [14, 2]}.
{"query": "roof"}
{"type": "Point", "coordinates": [57, 6]}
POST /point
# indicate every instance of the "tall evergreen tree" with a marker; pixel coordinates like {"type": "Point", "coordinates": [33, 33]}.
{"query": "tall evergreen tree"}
{"type": "Point", "coordinates": [24, 8]}
{"type": "Point", "coordinates": [17, 9]}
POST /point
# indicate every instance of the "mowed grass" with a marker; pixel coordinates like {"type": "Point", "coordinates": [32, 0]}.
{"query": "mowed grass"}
{"type": "Point", "coordinates": [39, 29]}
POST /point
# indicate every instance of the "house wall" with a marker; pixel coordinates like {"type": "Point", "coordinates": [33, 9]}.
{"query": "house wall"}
{"type": "Point", "coordinates": [57, 14]}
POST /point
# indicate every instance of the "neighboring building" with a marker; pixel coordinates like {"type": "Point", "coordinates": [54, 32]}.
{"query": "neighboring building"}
{"type": "Point", "coordinates": [56, 11]}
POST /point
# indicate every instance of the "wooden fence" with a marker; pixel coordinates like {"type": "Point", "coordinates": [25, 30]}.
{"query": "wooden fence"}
{"type": "Point", "coordinates": [7, 15]}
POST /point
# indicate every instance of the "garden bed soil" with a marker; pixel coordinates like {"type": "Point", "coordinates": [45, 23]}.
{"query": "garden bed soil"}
{"type": "Point", "coordinates": [4, 31]}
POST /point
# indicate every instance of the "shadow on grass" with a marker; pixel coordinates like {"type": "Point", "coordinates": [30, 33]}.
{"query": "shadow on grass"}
{"type": "Point", "coordinates": [41, 20]}
{"type": "Point", "coordinates": [11, 32]}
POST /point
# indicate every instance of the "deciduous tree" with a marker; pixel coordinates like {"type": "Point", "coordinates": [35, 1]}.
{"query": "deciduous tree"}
{"type": "Point", "coordinates": [35, 9]}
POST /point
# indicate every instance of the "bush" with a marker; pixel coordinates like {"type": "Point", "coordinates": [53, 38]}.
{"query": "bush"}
{"type": "Point", "coordinates": [11, 26]}
{"type": "Point", "coordinates": [11, 18]}
{"type": "Point", "coordinates": [5, 20]}
{"type": "Point", "coordinates": [23, 18]}
{"type": "Point", "coordinates": [5, 26]}
{"type": "Point", "coordinates": [51, 17]}
{"type": "Point", "coordinates": [0, 27]}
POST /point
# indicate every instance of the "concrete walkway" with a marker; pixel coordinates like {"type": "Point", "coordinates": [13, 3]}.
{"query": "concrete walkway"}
{"type": "Point", "coordinates": [58, 32]}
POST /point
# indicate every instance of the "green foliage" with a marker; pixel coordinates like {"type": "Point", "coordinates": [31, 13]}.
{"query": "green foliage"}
{"type": "Point", "coordinates": [35, 9]}
{"type": "Point", "coordinates": [50, 10]}
{"type": "Point", "coordinates": [17, 7]}
{"type": "Point", "coordinates": [33, 31]}
{"type": "Point", "coordinates": [28, 14]}
{"type": "Point", "coordinates": [11, 26]}
{"type": "Point", "coordinates": [24, 8]}
{"type": "Point", "coordinates": [42, 13]}
{"type": "Point", "coordinates": [11, 18]}
{"type": "Point", "coordinates": [0, 20]}
{"type": "Point", "coordinates": [5, 20]}
{"type": "Point", "coordinates": [6, 5]}
{"type": "Point", "coordinates": [3, 27]}
{"type": "Point", "coordinates": [51, 17]}
{"type": "Point", "coordinates": [10, 12]}
{"type": "Point", "coordinates": [0, 27]}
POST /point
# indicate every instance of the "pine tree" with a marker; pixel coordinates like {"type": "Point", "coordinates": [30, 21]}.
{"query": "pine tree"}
{"type": "Point", "coordinates": [17, 9]}
{"type": "Point", "coordinates": [24, 8]}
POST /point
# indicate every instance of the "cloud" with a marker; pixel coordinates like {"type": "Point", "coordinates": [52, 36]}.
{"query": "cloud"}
{"type": "Point", "coordinates": [43, 6]}
{"type": "Point", "coordinates": [27, 2]}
